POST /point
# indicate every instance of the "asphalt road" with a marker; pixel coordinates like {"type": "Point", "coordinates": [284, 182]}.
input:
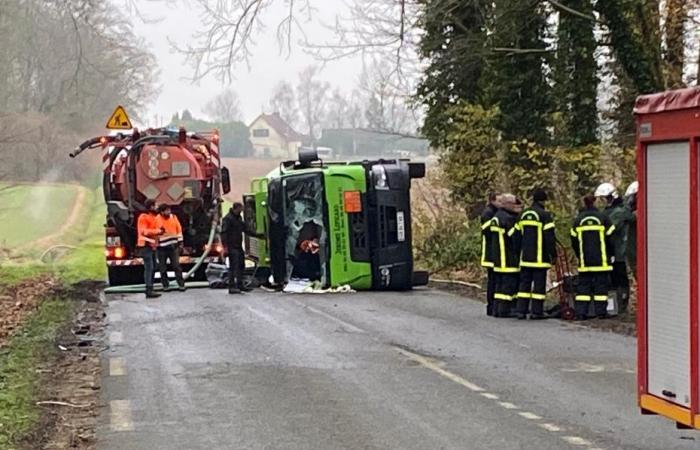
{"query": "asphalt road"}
{"type": "Point", "coordinates": [419, 370]}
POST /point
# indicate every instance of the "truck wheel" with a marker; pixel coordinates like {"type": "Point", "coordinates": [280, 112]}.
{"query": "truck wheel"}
{"type": "Point", "coordinates": [121, 276]}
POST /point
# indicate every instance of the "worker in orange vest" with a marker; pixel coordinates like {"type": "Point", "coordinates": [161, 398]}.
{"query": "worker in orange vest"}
{"type": "Point", "coordinates": [147, 241]}
{"type": "Point", "coordinates": [169, 245]}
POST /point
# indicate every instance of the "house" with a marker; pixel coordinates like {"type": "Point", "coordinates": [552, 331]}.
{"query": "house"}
{"type": "Point", "coordinates": [272, 137]}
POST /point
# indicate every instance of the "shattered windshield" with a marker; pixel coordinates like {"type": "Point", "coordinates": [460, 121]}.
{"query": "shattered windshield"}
{"type": "Point", "coordinates": [306, 243]}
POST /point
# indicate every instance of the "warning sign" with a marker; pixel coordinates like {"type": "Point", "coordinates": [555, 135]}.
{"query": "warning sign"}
{"type": "Point", "coordinates": [119, 120]}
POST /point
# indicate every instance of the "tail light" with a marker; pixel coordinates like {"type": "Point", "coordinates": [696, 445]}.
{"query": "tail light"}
{"type": "Point", "coordinates": [119, 253]}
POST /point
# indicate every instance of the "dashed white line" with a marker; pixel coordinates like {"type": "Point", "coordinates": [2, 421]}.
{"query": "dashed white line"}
{"type": "Point", "coordinates": [116, 337]}
{"type": "Point", "coordinates": [508, 405]}
{"type": "Point", "coordinates": [425, 362]}
{"type": "Point", "coordinates": [347, 325]}
{"type": "Point", "coordinates": [120, 415]}
{"type": "Point", "coordinates": [529, 416]}
{"type": "Point", "coordinates": [489, 395]}
{"type": "Point", "coordinates": [117, 367]}
{"type": "Point", "coordinates": [575, 440]}
{"type": "Point", "coordinates": [550, 427]}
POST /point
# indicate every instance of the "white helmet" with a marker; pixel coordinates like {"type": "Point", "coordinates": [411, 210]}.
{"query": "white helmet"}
{"type": "Point", "coordinates": [632, 189]}
{"type": "Point", "coordinates": [606, 190]}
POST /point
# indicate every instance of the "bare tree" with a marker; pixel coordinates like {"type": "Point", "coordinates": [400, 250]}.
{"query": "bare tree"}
{"type": "Point", "coordinates": [283, 102]}
{"type": "Point", "coordinates": [225, 107]}
{"type": "Point", "coordinates": [338, 112]}
{"type": "Point", "coordinates": [312, 96]}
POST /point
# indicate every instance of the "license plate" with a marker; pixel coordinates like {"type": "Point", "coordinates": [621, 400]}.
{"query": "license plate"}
{"type": "Point", "coordinates": [400, 226]}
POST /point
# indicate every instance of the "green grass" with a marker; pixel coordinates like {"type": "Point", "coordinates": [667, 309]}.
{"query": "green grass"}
{"type": "Point", "coordinates": [19, 379]}
{"type": "Point", "coordinates": [30, 212]}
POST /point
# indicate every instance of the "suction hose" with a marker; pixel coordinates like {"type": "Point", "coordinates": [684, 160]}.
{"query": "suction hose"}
{"type": "Point", "coordinates": [136, 288]}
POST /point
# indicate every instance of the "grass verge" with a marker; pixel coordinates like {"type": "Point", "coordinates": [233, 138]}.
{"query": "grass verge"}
{"type": "Point", "coordinates": [19, 375]}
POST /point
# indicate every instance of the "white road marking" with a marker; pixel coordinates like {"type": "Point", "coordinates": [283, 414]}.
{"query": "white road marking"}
{"type": "Point", "coordinates": [117, 367]}
{"type": "Point", "coordinates": [508, 405]}
{"type": "Point", "coordinates": [347, 325]}
{"type": "Point", "coordinates": [575, 440]}
{"type": "Point", "coordinates": [116, 337]}
{"type": "Point", "coordinates": [489, 396]}
{"type": "Point", "coordinates": [529, 416]}
{"type": "Point", "coordinates": [550, 427]}
{"type": "Point", "coordinates": [425, 362]}
{"type": "Point", "coordinates": [120, 415]}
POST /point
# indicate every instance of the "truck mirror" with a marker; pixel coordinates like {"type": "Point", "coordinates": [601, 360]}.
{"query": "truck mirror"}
{"type": "Point", "coordinates": [225, 180]}
{"type": "Point", "coordinates": [416, 170]}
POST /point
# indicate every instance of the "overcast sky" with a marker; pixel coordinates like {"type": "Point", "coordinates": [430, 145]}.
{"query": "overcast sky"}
{"type": "Point", "coordinates": [179, 21]}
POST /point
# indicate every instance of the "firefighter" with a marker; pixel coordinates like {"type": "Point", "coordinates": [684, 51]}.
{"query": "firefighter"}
{"type": "Point", "coordinates": [631, 204]}
{"type": "Point", "coordinates": [621, 217]}
{"type": "Point", "coordinates": [538, 250]}
{"type": "Point", "coordinates": [590, 239]}
{"type": "Point", "coordinates": [232, 230]}
{"type": "Point", "coordinates": [148, 233]}
{"type": "Point", "coordinates": [486, 255]}
{"type": "Point", "coordinates": [505, 248]}
{"type": "Point", "coordinates": [169, 246]}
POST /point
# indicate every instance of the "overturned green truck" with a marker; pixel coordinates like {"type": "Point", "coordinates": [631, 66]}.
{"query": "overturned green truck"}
{"type": "Point", "coordinates": [339, 223]}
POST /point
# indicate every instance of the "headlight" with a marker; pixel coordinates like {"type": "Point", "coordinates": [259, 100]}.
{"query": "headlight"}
{"type": "Point", "coordinates": [114, 241]}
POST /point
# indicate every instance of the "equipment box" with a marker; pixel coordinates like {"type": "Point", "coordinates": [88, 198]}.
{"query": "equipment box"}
{"type": "Point", "coordinates": [668, 141]}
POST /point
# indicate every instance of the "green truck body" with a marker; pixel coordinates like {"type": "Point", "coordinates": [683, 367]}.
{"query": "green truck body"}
{"type": "Point", "coordinates": [359, 212]}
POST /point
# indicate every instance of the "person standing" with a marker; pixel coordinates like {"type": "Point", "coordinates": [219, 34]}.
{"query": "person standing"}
{"type": "Point", "coordinates": [148, 232]}
{"type": "Point", "coordinates": [505, 247]}
{"type": "Point", "coordinates": [631, 204]}
{"type": "Point", "coordinates": [232, 230]}
{"type": "Point", "coordinates": [590, 239]}
{"type": "Point", "coordinates": [538, 251]}
{"type": "Point", "coordinates": [486, 255]}
{"type": "Point", "coordinates": [621, 217]}
{"type": "Point", "coordinates": [169, 245]}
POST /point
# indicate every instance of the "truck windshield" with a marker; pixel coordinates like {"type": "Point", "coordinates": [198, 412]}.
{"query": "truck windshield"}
{"type": "Point", "coordinates": [306, 240]}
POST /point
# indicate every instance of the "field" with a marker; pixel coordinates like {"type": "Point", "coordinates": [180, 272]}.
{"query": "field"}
{"type": "Point", "coordinates": [243, 170]}
{"type": "Point", "coordinates": [31, 212]}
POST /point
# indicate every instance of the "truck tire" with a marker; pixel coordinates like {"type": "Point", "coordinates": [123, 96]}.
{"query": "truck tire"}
{"type": "Point", "coordinates": [126, 275]}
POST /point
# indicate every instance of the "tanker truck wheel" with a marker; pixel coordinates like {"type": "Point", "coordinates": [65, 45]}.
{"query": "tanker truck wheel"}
{"type": "Point", "coordinates": [122, 276]}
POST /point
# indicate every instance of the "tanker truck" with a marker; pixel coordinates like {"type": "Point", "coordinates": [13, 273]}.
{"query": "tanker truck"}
{"type": "Point", "coordinates": [170, 166]}
{"type": "Point", "coordinates": [356, 215]}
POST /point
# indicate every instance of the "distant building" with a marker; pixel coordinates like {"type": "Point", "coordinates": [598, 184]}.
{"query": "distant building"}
{"type": "Point", "coordinates": [272, 137]}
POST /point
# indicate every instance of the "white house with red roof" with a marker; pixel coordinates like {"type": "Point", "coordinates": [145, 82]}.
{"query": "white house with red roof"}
{"type": "Point", "coordinates": [272, 137]}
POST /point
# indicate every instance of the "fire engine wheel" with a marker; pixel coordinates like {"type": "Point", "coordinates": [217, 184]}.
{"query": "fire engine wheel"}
{"type": "Point", "coordinates": [121, 276]}
{"type": "Point", "coordinates": [567, 313]}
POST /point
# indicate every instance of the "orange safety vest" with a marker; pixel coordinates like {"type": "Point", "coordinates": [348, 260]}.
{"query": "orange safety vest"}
{"type": "Point", "coordinates": [148, 230]}
{"type": "Point", "coordinates": [173, 230]}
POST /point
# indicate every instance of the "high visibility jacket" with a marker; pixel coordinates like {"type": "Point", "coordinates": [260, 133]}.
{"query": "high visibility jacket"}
{"type": "Point", "coordinates": [486, 253]}
{"type": "Point", "coordinates": [505, 242]}
{"type": "Point", "coordinates": [148, 230]}
{"type": "Point", "coordinates": [537, 241]}
{"type": "Point", "coordinates": [172, 230]}
{"type": "Point", "coordinates": [590, 238]}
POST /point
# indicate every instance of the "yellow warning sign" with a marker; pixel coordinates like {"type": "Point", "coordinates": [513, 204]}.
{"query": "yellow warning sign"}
{"type": "Point", "coordinates": [119, 120]}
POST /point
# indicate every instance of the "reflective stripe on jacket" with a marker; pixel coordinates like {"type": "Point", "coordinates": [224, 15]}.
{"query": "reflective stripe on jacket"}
{"type": "Point", "coordinates": [486, 254]}
{"type": "Point", "coordinates": [173, 230]}
{"type": "Point", "coordinates": [505, 242]}
{"type": "Point", "coordinates": [538, 241]}
{"type": "Point", "coordinates": [148, 230]}
{"type": "Point", "coordinates": [590, 238]}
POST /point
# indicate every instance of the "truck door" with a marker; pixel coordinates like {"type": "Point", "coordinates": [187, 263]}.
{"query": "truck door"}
{"type": "Point", "coordinates": [668, 273]}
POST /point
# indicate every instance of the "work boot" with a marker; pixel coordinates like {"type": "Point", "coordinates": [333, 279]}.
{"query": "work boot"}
{"type": "Point", "coordinates": [234, 290]}
{"type": "Point", "coordinates": [581, 310]}
{"type": "Point", "coordinates": [537, 317]}
{"type": "Point", "coordinates": [521, 316]}
{"type": "Point", "coordinates": [166, 287]}
{"type": "Point", "coordinates": [151, 294]}
{"type": "Point", "coordinates": [244, 288]}
{"type": "Point", "coordinates": [623, 298]}
{"type": "Point", "coordinates": [182, 287]}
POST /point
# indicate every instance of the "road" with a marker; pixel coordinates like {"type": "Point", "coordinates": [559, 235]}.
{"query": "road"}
{"type": "Point", "coordinates": [418, 370]}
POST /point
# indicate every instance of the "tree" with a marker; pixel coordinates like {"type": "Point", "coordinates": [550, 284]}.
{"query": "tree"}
{"type": "Point", "coordinates": [516, 72]}
{"type": "Point", "coordinates": [338, 111]}
{"type": "Point", "coordinates": [187, 115]}
{"type": "Point", "coordinates": [224, 107]}
{"type": "Point", "coordinates": [283, 102]}
{"type": "Point", "coordinates": [576, 75]}
{"type": "Point", "coordinates": [312, 97]}
{"type": "Point", "coordinates": [175, 118]}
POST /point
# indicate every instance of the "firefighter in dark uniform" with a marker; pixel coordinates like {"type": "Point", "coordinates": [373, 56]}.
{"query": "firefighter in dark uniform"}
{"type": "Point", "coordinates": [505, 248]}
{"type": "Point", "coordinates": [538, 250]}
{"type": "Point", "coordinates": [232, 229]}
{"type": "Point", "coordinates": [486, 254]}
{"type": "Point", "coordinates": [590, 239]}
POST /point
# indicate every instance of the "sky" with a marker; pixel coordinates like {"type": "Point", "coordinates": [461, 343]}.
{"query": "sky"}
{"type": "Point", "coordinates": [179, 21]}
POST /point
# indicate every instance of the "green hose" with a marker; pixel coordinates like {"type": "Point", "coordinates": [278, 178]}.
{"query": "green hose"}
{"type": "Point", "coordinates": [140, 288]}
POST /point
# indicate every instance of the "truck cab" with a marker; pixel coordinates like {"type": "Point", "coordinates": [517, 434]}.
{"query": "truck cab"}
{"type": "Point", "coordinates": [340, 223]}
